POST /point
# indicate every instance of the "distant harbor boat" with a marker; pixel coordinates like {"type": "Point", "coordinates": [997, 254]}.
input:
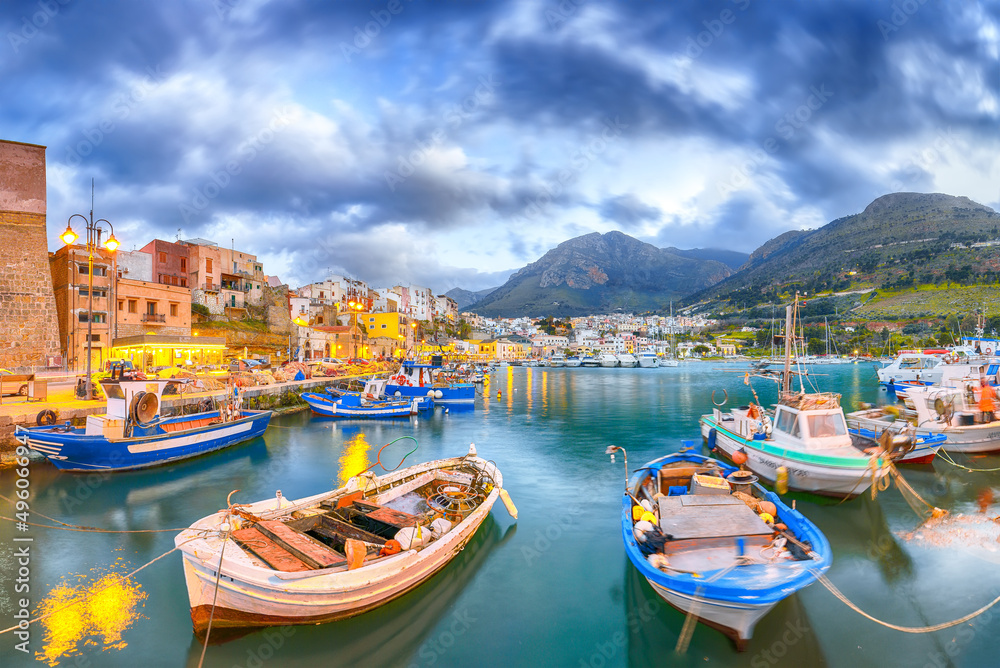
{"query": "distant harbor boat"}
{"type": "Point", "coordinates": [608, 360]}
{"type": "Point", "coordinates": [649, 360]}
{"type": "Point", "coordinates": [627, 360]}
{"type": "Point", "coordinates": [422, 380]}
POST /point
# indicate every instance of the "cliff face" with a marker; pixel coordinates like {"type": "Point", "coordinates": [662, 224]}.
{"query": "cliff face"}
{"type": "Point", "coordinates": [599, 273]}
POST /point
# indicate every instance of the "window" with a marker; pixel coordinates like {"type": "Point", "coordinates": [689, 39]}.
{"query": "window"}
{"type": "Point", "coordinates": [831, 424]}
{"type": "Point", "coordinates": [184, 264]}
{"type": "Point", "coordinates": [786, 421]}
{"type": "Point", "coordinates": [94, 338]}
{"type": "Point", "coordinates": [132, 305]}
{"type": "Point", "coordinates": [184, 282]}
{"type": "Point", "coordinates": [208, 265]}
{"type": "Point", "coordinates": [121, 305]}
{"type": "Point", "coordinates": [383, 326]}
{"type": "Point", "coordinates": [151, 308]}
{"type": "Point", "coordinates": [173, 310]}
{"type": "Point", "coordinates": [173, 280]}
{"type": "Point", "coordinates": [163, 257]}
{"type": "Point", "coordinates": [319, 320]}
{"type": "Point", "coordinates": [98, 317]}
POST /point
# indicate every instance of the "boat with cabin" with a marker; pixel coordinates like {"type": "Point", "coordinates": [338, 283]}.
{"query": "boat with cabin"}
{"type": "Point", "coordinates": [373, 389]}
{"type": "Point", "coordinates": [805, 443]}
{"type": "Point", "coordinates": [132, 433]}
{"type": "Point", "coordinates": [573, 361]}
{"type": "Point", "coordinates": [338, 553]}
{"type": "Point", "coordinates": [591, 361]}
{"type": "Point", "coordinates": [429, 380]}
{"type": "Point", "coordinates": [627, 360]}
{"type": "Point", "coordinates": [648, 360]}
{"type": "Point", "coordinates": [608, 360]}
{"type": "Point", "coordinates": [557, 360]}
{"type": "Point", "coordinates": [913, 365]}
{"type": "Point", "coordinates": [715, 544]}
{"type": "Point", "coordinates": [359, 405]}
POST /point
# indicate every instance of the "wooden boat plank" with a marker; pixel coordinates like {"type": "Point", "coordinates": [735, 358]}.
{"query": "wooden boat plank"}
{"type": "Point", "coordinates": [345, 530]}
{"type": "Point", "coordinates": [303, 547]}
{"type": "Point", "coordinates": [388, 516]}
{"type": "Point", "coordinates": [708, 521]}
{"type": "Point", "coordinates": [709, 500]}
{"type": "Point", "coordinates": [275, 556]}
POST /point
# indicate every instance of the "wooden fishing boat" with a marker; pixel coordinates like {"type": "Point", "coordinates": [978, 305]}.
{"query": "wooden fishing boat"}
{"type": "Point", "coordinates": [424, 380]}
{"type": "Point", "coordinates": [903, 448]}
{"type": "Point", "coordinates": [336, 554]}
{"type": "Point", "coordinates": [132, 434]}
{"type": "Point", "coordinates": [358, 406]}
{"type": "Point", "coordinates": [715, 544]}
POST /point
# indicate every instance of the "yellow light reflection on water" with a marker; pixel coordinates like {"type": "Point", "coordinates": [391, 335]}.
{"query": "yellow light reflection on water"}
{"type": "Point", "coordinates": [354, 459]}
{"type": "Point", "coordinates": [95, 613]}
{"type": "Point", "coordinates": [510, 387]}
{"type": "Point", "coordinates": [545, 390]}
{"type": "Point", "coordinates": [527, 389]}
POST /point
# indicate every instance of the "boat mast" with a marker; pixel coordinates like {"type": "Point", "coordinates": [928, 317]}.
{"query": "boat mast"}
{"type": "Point", "coordinates": [786, 376]}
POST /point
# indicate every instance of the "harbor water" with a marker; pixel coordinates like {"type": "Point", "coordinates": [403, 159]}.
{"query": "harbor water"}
{"type": "Point", "coordinates": [553, 588]}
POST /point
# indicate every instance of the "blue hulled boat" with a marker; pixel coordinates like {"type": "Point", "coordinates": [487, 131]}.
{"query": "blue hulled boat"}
{"type": "Point", "coordinates": [131, 434]}
{"type": "Point", "coordinates": [374, 390]}
{"type": "Point", "coordinates": [358, 406]}
{"type": "Point", "coordinates": [426, 380]}
{"type": "Point", "coordinates": [715, 544]}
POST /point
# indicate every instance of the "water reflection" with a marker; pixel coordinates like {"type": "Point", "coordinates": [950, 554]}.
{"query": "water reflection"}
{"type": "Point", "coordinates": [354, 459]}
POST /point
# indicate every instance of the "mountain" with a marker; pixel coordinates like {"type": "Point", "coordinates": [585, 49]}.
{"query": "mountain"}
{"type": "Point", "coordinates": [600, 273]}
{"type": "Point", "coordinates": [732, 259]}
{"type": "Point", "coordinates": [899, 240]}
{"type": "Point", "coordinates": [466, 298]}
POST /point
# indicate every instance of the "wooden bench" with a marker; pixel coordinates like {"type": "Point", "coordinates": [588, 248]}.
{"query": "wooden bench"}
{"type": "Point", "coordinates": [262, 547]}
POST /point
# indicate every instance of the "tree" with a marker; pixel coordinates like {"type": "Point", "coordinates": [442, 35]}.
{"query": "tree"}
{"type": "Point", "coordinates": [700, 349]}
{"type": "Point", "coordinates": [816, 346]}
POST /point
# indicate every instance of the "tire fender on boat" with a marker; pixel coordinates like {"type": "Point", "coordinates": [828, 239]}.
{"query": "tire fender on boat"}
{"type": "Point", "coordinates": [45, 418]}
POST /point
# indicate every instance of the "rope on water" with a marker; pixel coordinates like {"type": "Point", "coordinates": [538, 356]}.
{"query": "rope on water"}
{"type": "Point", "coordinates": [218, 576]}
{"type": "Point", "coordinates": [126, 577]}
{"type": "Point", "coordinates": [822, 579]}
{"type": "Point", "coordinates": [945, 456]}
{"type": "Point", "coordinates": [78, 527]}
{"type": "Point", "coordinates": [684, 639]}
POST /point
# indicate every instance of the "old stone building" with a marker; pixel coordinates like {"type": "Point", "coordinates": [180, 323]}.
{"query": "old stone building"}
{"type": "Point", "coordinates": [28, 326]}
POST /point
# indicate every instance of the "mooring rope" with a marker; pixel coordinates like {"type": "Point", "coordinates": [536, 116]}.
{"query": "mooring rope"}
{"type": "Point", "coordinates": [822, 579]}
{"type": "Point", "coordinates": [66, 526]}
{"type": "Point", "coordinates": [945, 456]}
{"type": "Point", "coordinates": [218, 576]}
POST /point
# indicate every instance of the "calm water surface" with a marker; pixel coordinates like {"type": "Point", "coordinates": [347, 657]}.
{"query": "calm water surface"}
{"type": "Point", "coordinates": [553, 588]}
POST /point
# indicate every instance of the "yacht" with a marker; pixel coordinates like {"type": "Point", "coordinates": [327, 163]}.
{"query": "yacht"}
{"type": "Point", "coordinates": [557, 360]}
{"type": "Point", "coordinates": [649, 360]}
{"type": "Point", "coordinates": [627, 360]}
{"type": "Point", "coordinates": [590, 360]}
{"type": "Point", "coordinates": [573, 361]}
{"type": "Point", "coordinates": [608, 359]}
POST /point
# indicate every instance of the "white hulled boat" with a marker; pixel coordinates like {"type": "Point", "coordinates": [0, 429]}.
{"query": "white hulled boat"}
{"type": "Point", "coordinates": [649, 360]}
{"type": "Point", "coordinates": [608, 360]}
{"type": "Point", "coordinates": [627, 360]}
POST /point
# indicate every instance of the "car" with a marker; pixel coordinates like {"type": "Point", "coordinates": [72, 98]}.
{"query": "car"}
{"type": "Point", "coordinates": [358, 360]}
{"type": "Point", "coordinates": [332, 360]}
{"type": "Point", "coordinates": [12, 387]}
{"type": "Point", "coordinates": [244, 365]}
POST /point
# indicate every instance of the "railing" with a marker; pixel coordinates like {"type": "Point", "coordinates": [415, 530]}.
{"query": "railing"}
{"type": "Point", "coordinates": [154, 317]}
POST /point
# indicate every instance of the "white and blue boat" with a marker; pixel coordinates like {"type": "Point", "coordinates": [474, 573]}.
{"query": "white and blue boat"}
{"type": "Point", "coordinates": [132, 434]}
{"type": "Point", "coordinates": [358, 406]}
{"type": "Point", "coordinates": [426, 380]}
{"type": "Point", "coordinates": [373, 389]}
{"type": "Point", "coordinates": [715, 544]}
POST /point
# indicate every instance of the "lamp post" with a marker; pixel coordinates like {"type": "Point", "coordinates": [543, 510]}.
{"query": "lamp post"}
{"type": "Point", "coordinates": [355, 308]}
{"type": "Point", "coordinates": [94, 231]}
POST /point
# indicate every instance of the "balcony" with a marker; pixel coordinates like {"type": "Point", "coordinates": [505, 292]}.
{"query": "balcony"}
{"type": "Point", "coordinates": [154, 317]}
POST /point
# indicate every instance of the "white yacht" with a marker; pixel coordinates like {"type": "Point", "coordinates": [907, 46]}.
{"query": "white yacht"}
{"type": "Point", "coordinates": [649, 360]}
{"type": "Point", "coordinates": [557, 360]}
{"type": "Point", "coordinates": [608, 359]}
{"type": "Point", "coordinates": [627, 360]}
{"type": "Point", "coordinates": [573, 361]}
{"type": "Point", "coordinates": [913, 365]}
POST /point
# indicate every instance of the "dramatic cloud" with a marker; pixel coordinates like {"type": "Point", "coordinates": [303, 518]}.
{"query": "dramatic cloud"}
{"type": "Point", "coordinates": [448, 144]}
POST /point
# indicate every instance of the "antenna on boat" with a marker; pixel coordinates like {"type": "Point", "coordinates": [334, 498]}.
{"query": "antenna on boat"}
{"type": "Point", "coordinates": [611, 450]}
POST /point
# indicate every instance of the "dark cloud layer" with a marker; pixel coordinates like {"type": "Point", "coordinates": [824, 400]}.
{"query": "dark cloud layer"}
{"type": "Point", "coordinates": [348, 137]}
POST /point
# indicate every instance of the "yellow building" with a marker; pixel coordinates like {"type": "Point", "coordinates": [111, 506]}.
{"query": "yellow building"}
{"type": "Point", "coordinates": [147, 351]}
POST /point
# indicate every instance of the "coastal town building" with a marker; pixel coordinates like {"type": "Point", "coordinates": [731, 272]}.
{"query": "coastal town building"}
{"type": "Point", "coordinates": [170, 262]}
{"type": "Point", "coordinates": [144, 307]}
{"type": "Point", "coordinates": [28, 314]}
{"type": "Point", "coordinates": [137, 265]}
{"type": "Point", "coordinates": [79, 309]}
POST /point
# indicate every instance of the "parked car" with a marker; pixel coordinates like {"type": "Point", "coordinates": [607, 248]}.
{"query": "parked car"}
{"type": "Point", "coordinates": [117, 363]}
{"type": "Point", "coordinates": [358, 360]}
{"type": "Point", "coordinates": [244, 365]}
{"type": "Point", "coordinates": [332, 360]}
{"type": "Point", "coordinates": [11, 386]}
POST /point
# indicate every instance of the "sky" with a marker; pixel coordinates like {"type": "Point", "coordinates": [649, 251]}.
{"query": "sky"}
{"type": "Point", "coordinates": [447, 144]}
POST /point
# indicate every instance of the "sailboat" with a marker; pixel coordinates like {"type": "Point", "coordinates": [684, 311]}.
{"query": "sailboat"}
{"type": "Point", "coordinates": [804, 444]}
{"type": "Point", "coordinates": [672, 360]}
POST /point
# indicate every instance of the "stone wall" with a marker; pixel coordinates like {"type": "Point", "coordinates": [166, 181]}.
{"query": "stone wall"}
{"type": "Point", "coordinates": [28, 326]}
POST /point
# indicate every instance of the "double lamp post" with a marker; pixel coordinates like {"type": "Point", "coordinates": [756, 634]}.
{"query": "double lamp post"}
{"type": "Point", "coordinates": [94, 231]}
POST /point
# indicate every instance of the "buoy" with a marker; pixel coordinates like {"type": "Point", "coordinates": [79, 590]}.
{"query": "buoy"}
{"type": "Point", "coordinates": [637, 512]}
{"type": "Point", "coordinates": [391, 547]}
{"type": "Point", "coordinates": [767, 517]}
{"type": "Point", "coordinates": [768, 507]}
{"type": "Point", "coordinates": [498, 394]}
{"type": "Point", "coordinates": [739, 458]}
{"type": "Point", "coordinates": [508, 503]}
{"type": "Point", "coordinates": [781, 480]}
{"type": "Point", "coordinates": [648, 517]}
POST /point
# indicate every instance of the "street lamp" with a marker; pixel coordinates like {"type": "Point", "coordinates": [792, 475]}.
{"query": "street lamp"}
{"type": "Point", "coordinates": [94, 232]}
{"type": "Point", "coordinates": [355, 308]}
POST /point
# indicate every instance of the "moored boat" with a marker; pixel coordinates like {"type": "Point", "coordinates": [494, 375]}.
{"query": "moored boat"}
{"type": "Point", "coordinates": [573, 361]}
{"type": "Point", "coordinates": [608, 360]}
{"type": "Point", "coordinates": [627, 360]}
{"type": "Point", "coordinates": [648, 360]}
{"type": "Point", "coordinates": [358, 406]}
{"type": "Point", "coordinates": [557, 360]}
{"type": "Point", "coordinates": [132, 434]}
{"type": "Point", "coordinates": [422, 380]}
{"type": "Point", "coordinates": [590, 361]}
{"type": "Point", "coordinates": [335, 554]}
{"type": "Point", "coordinates": [715, 544]}
{"type": "Point", "coordinates": [373, 389]}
